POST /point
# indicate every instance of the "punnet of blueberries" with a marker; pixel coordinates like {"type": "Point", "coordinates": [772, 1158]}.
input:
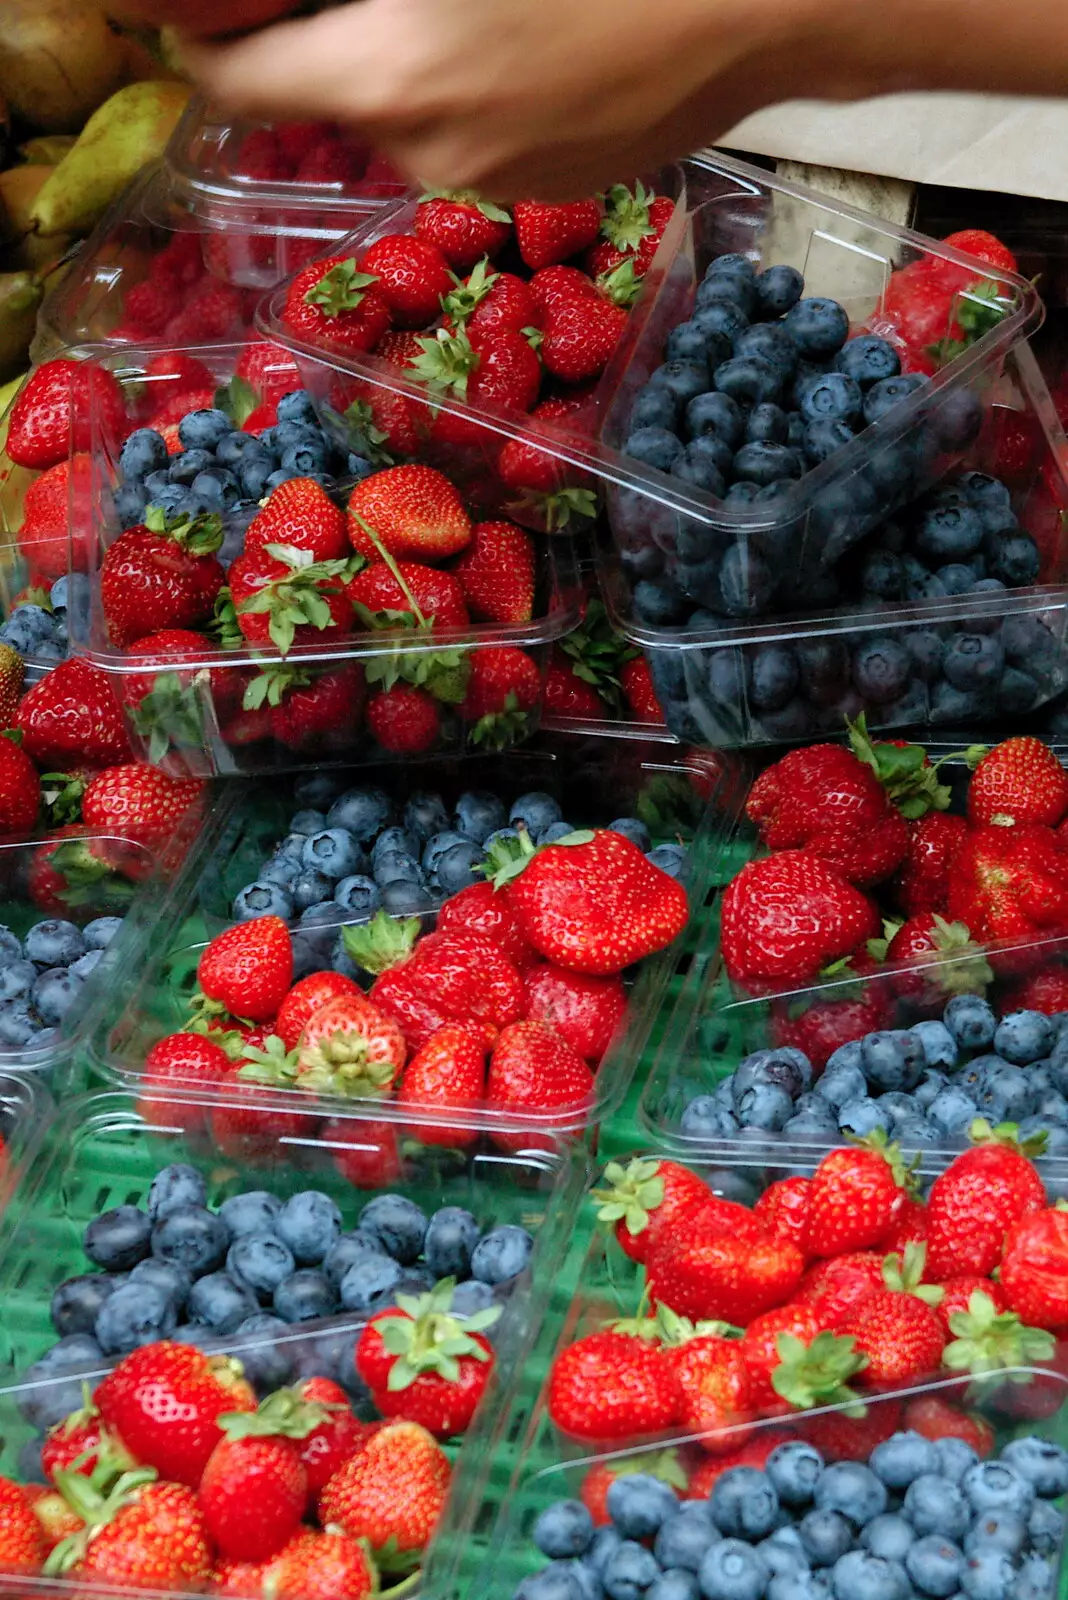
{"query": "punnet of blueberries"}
{"type": "Point", "coordinates": [43, 976]}
{"type": "Point", "coordinates": [919, 1520]}
{"type": "Point", "coordinates": [923, 1085]}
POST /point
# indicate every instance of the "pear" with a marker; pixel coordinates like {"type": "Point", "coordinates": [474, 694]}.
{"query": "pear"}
{"type": "Point", "coordinates": [58, 60]}
{"type": "Point", "coordinates": [128, 130]}
{"type": "Point", "coordinates": [20, 295]}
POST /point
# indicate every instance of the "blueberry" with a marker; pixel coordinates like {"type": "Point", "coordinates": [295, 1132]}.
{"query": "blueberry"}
{"type": "Point", "coordinates": [638, 1504]}
{"type": "Point", "coordinates": [774, 676]}
{"type": "Point", "coordinates": [783, 1551]}
{"type": "Point", "coordinates": [451, 1235]}
{"type": "Point", "coordinates": [175, 1185]}
{"type": "Point", "coordinates": [888, 393]}
{"type": "Point", "coordinates": [402, 899]}
{"type": "Point", "coordinates": [882, 575]}
{"type": "Point", "coordinates": [749, 380]}
{"type": "Point", "coordinates": [255, 1211]}
{"type": "Point", "coordinates": [368, 1280]}
{"type": "Point", "coordinates": [765, 1107]}
{"type": "Point", "coordinates": [685, 342]}
{"type": "Point", "coordinates": [216, 488]}
{"type": "Point", "coordinates": [18, 1025]}
{"type": "Point", "coordinates": [818, 327]}
{"type": "Point", "coordinates": [778, 289]}
{"type": "Point", "coordinates": [259, 1262]}
{"type": "Point", "coordinates": [842, 1079]}
{"type": "Point", "coordinates": [889, 1536]}
{"type": "Point", "coordinates": [76, 1303]}
{"type": "Point", "coordinates": [669, 857]}
{"type": "Point", "coordinates": [502, 1254]}
{"type": "Point", "coordinates": [799, 1586]}
{"type": "Point", "coordinates": [305, 1295]}
{"type": "Point", "coordinates": [734, 262]}
{"type": "Point", "coordinates": [136, 1314]}
{"type": "Point", "coordinates": [831, 397]}
{"type": "Point", "coordinates": [675, 1583]}
{"type": "Point", "coordinates": [297, 406]}
{"type": "Point", "coordinates": [1045, 1528]}
{"type": "Point", "coordinates": [479, 812]}
{"type": "Point", "coordinates": [785, 1068]}
{"type": "Point", "coordinates": [99, 933]}
{"type": "Point", "coordinates": [764, 463]}
{"type": "Point", "coordinates": [1034, 1579]}
{"type": "Point", "coordinates": [933, 1504]}
{"type": "Point", "coordinates": [684, 1539]}
{"type": "Point", "coordinates": [266, 1359]}
{"type": "Point", "coordinates": [704, 1118]}
{"type": "Point", "coordinates": [768, 424]}
{"type": "Point", "coordinates": [458, 867]}
{"type": "Point", "coordinates": [732, 1570]}
{"type": "Point", "coordinates": [997, 1486]}
{"type": "Point", "coordinates": [471, 1297]}
{"type": "Point", "coordinates": [744, 1503]}
{"type": "Point", "coordinates": [988, 1575]}
{"type": "Point", "coordinates": [770, 343]}
{"type": "Point", "coordinates": [868, 359]}
{"type": "Point", "coordinates": [683, 380]}
{"type": "Point", "coordinates": [654, 447]}
{"type": "Point", "coordinates": [825, 1535]}
{"type": "Point", "coordinates": [563, 1529]}
{"type": "Point", "coordinates": [203, 430]}
{"type": "Point", "coordinates": [145, 451]}
{"type": "Point", "coordinates": [1043, 1463]}
{"type": "Point", "coordinates": [398, 1224]}
{"type": "Point", "coordinates": [853, 1489]}
{"type": "Point", "coordinates": [999, 1530]}
{"type": "Point", "coordinates": [361, 812]}
{"type": "Point", "coordinates": [171, 1280]}
{"type": "Point", "coordinates": [185, 468]}
{"type": "Point", "coordinates": [303, 889]}
{"type": "Point", "coordinates": [747, 586]}
{"type": "Point", "coordinates": [628, 1572]}
{"type": "Point", "coordinates": [536, 811]}
{"type": "Point", "coordinates": [118, 1239]}
{"type": "Point", "coordinates": [935, 1566]}
{"type": "Point", "coordinates": [973, 660]}
{"type": "Point", "coordinates": [334, 852]}
{"type": "Point", "coordinates": [719, 321]}
{"type": "Point", "coordinates": [359, 896]}
{"type": "Point", "coordinates": [54, 943]}
{"type": "Point", "coordinates": [717, 415]}
{"type": "Point", "coordinates": [56, 992]}
{"type": "Point", "coordinates": [725, 286]}
{"type": "Point", "coordinates": [859, 1575]}
{"type": "Point", "coordinates": [192, 1237]}
{"type": "Point", "coordinates": [309, 1223]}
{"type": "Point", "coordinates": [952, 1111]}
{"type": "Point", "coordinates": [971, 1021]}
{"type": "Point", "coordinates": [554, 1582]}
{"type": "Point", "coordinates": [881, 668]}
{"type": "Point", "coordinates": [261, 899]}
{"type": "Point", "coordinates": [939, 1051]}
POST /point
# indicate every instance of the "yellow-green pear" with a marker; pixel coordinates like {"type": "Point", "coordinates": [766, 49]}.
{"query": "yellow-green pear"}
{"type": "Point", "coordinates": [58, 60]}
{"type": "Point", "coordinates": [20, 295]}
{"type": "Point", "coordinates": [127, 131]}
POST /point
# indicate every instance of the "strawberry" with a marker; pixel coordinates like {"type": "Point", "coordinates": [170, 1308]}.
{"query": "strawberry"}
{"type": "Point", "coordinates": [824, 800]}
{"type": "Point", "coordinates": [753, 1453]}
{"type": "Point", "coordinates": [391, 1494]}
{"type": "Point", "coordinates": [167, 704]}
{"type": "Point", "coordinates": [399, 349]}
{"type": "Point", "coordinates": [189, 373]}
{"type": "Point", "coordinates": [71, 715]}
{"type": "Point", "coordinates": [22, 1541]}
{"type": "Point", "coordinates": [594, 904]}
{"type": "Point", "coordinates": [610, 1386]}
{"type": "Point", "coordinates": [721, 1265]}
{"type": "Point", "coordinates": [333, 1440]}
{"type": "Point", "coordinates": [856, 1197]}
{"type": "Point", "coordinates": [141, 803]}
{"type": "Point", "coordinates": [664, 1465]}
{"type": "Point", "coordinates": [254, 1488]}
{"type": "Point", "coordinates": [172, 406]}
{"type": "Point", "coordinates": [910, 1227]}
{"type": "Point", "coordinates": [643, 1197]}
{"type": "Point", "coordinates": [785, 917]}
{"type": "Point", "coordinates": [484, 909]}
{"type": "Point", "coordinates": [164, 1402]}
{"type": "Point", "coordinates": [502, 370]}
{"type": "Point", "coordinates": [425, 1365]}
{"type": "Point", "coordinates": [637, 684]}
{"type": "Point", "coordinates": [961, 966]}
{"type": "Point", "coordinates": [242, 1128]}
{"type": "Point", "coordinates": [567, 695]}
{"type": "Point", "coordinates": [435, 599]}
{"type": "Point", "coordinates": [163, 574]}
{"type": "Point", "coordinates": [286, 597]}
{"type": "Point", "coordinates": [532, 1069]}
{"type": "Point", "coordinates": [986, 247]}
{"type": "Point", "coordinates": [956, 1294]}
{"type": "Point", "coordinates": [413, 277]}
{"type": "Point", "coordinates": [463, 227]}
{"type": "Point", "coordinates": [844, 1435]}
{"type": "Point", "coordinates": [404, 720]}
{"type": "Point", "coordinates": [976, 1200]}
{"type": "Point", "coordinates": [20, 789]}
{"type": "Point", "coordinates": [184, 1060]}
{"type": "Point", "coordinates": [580, 336]}
{"type": "Point", "coordinates": [900, 1335]}
{"type": "Point", "coordinates": [55, 504]}
{"type": "Point", "coordinates": [264, 416]}
{"type": "Point", "coordinates": [835, 1285]}
{"type": "Point", "coordinates": [715, 1392]}
{"type": "Point", "coordinates": [247, 970]}
{"type": "Point", "coordinates": [548, 234]}
{"type": "Point", "coordinates": [834, 1014]}
{"type": "Point", "coordinates": [449, 1074]}
{"type": "Point", "coordinates": [553, 287]}
{"type": "Point", "coordinates": [1046, 991]}
{"type": "Point", "coordinates": [51, 415]}
{"type": "Point", "coordinates": [783, 1210]}
{"type": "Point", "coordinates": [373, 1160]}
{"type": "Point", "coordinates": [333, 302]}
{"type": "Point", "coordinates": [12, 673]}
{"type": "Point", "coordinates": [413, 511]}
{"type": "Point", "coordinates": [75, 1443]}
{"type": "Point", "coordinates": [764, 1356]}
{"type": "Point", "coordinates": [148, 307]}
{"type": "Point", "coordinates": [498, 573]}
{"type": "Point", "coordinates": [151, 1537]}
{"type": "Point", "coordinates": [301, 515]}
{"type": "Point", "coordinates": [532, 469]}
{"type": "Point", "coordinates": [323, 1566]}
{"type": "Point", "coordinates": [1020, 780]}
{"type": "Point", "coordinates": [267, 369]}
{"type": "Point", "coordinates": [922, 884]}
{"type": "Point", "coordinates": [309, 995]}
{"type": "Point", "coordinates": [487, 301]}
{"type": "Point", "coordinates": [584, 1009]}
{"type": "Point", "coordinates": [350, 1047]}
{"type": "Point", "coordinates": [503, 688]}
{"type": "Point", "coordinates": [464, 975]}
{"type": "Point", "coordinates": [631, 229]}
{"type": "Point", "coordinates": [937, 1418]}
{"type": "Point", "coordinates": [311, 711]}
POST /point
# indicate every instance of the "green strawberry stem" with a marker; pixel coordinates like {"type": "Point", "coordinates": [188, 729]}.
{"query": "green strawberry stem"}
{"type": "Point", "coordinates": [198, 536]}
{"type": "Point", "coordinates": [97, 1498]}
{"type": "Point", "coordinates": [383, 942]}
{"type": "Point", "coordinates": [425, 1336]}
{"type": "Point", "coordinates": [633, 1192]}
{"type": "Point", "coordinates": [626, 220]}
{"type": "Point", "coordinates": [910, 780]}
{"type": "Point", "coordinates": [468, 197]}
{"type": "Point", "coordinates": [818, 1374]}
{"type": "Point", "coordinates": [463, 301]}
{"type": "Point", "coordinates": [1007, 1135]}
{"type": "Point", "coordinates": [987, 1340]}
{"type": "Point", "coordinates": [285, 1414]}
{"type": "Point", "coordinates": [904, 1273]}
{"type": "Point", "coordinates": [340, 289]}
{"type": "Point", "coordinates": [171, 714]}
{"type": "Point", "coordinates": [273, 1064]}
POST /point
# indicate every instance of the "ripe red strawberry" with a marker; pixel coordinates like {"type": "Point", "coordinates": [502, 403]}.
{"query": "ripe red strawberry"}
{"type": "Point", "coordinates": [141, 803]}
{"type": "Point", "coordinates": [153, 1537]}
{"type": "Point", "coordinates": [254, 1489]}
{"type": "Point", "coordinates": [644, 1197]}
{"type": "Point", "coordinates": [1010, 883]}
{"type": "Point", "coordinates": [557, 286]}
{"type": "Point", "coordinates": [705, 1270]}
{"type": "Point", "coordinates": [482, 908]}
{"type": "Point", "coordinates": [372, 1160]}
{"type": "Point", "coordinates": [487, 301]}
{"type": "Point", "coordinates": [189, 373]}
{"type": "Point", "coordinates": [715, 1392]}
{"type": "Point", "coordinates": [922, 884]}
{"type": "Point", "coordinates": [836, 1013]}
{"type": "Point", "coordinates": [449, 1074]}
{"type": "Point", "coordinates": [463, 227]}
{"type": "Point", "coordinates": [350, 1047]}
{"type": "Point", "coordinates": [580, 336]}
{"type": "Point", "coordinates": [334, 302]}
{"type": "Point", "coordinates": [148, 307]}
{"type": "Point", "coordinates": [502, 370]}
{"type": "Point", "coordinates": [425, 1365]}
{"type": "Point", "coordinates": [301, 515]}
{"type": "Point", "coordinates": [528, 466]}
{"type": "Point", "coordinates": [247, 970]}
{"type": "Point", "coordinates": [596, 904]}
{"type": "Point", "coordinates": [413, 277]}
{"type": "Point", "coordinates": [664, 1465]}
{"type": "Point", "coordinates": [957, 1294]}
{"type": "Point", "coordinates": [783, 1211]}
{"type": "Point", "coordinates": [414, 513]}
{"type": "Point", "coordinates": [172, 405]}
{"type": "Point", "coordinates": [631, 229]}
{"type": "Point", "coordinates": [404, 720]}
{"type": "Point", "coordinates": [322, 1566]}
{"type": "Point", "coordinates": [856, 1197]}
{"type": "Point", "coordinates": [391, 1494]}
{"type": "Point", "coordinates": [20, 789]}
{"type": "Point", "coordinates": [532, 1069]}
{"type": "Point", "coordinates": [902, 1337]}
{"type": "Point", "coordinates": [569, 696]}
{"type": "Point", "coordinates": [333, 1440]}
{"type": "Point", "coordinates": [547, 234]}
{"type": "Point", "coordinates": [637, 684]}
{"type": "Point", "coordinates": [458, 976]}
{"type": "Point", "coordinates": [844, 1436]}
{"type": "Point", "coordinates": [610, 1386]}
{"type": "Point", "coordinates": [269, 371]}
{"type": "Point", "coordinates": [753, 1453]}
{"type": "Point", "coordinates": [75, 1444]}
{"type": "Point", "coordinates": [161, 575]}
{"type": "Point", "coordinates": [306, 997]}
{"type": "Point", "coordinates": [1020, 780]}
{"type": "Point", "coordinates": [763, 1355]}
{"type": "Point", "coordinates": [22, 1540]}
{"type": "Point", "coordinates": [242, 1127]}
{"type": "Point", "coordinates": [503, 688]}
{"type": "Point", "coordinates": [986, 247]}
{"type": "Point", "coordinates": [976, 1200]}
{"type": "Point", "coordinates": [787, 916]}
{"type": "Point", "coordinates": [51, 415]}
{"type": "Point", "coordinates": [181, 1061]}
{"type": "Point", "coordinates": [57, 519]}
{"type": "Point", "coordinates": [938, 1418]}
{"type": "Point", "coordinates": [263, 417]}
{"type": "Point", "coordinates": [835, 1285]}
{"type": "Point", "coordinates": [1046, 991]}
{"type": "Point", "coordinates": [961, 969]}
{"type": "Point", "coordinates": [284, 597]}
{"type": "Point", "coordinates": [498, 573]}
{"type": "Point", "coordinates": [910, 1227]}
{"type": "Point", "coordinates": [71, 716]}
{"type": "Point", "coordinates": [164, 1402]}
{"type": "Point", "coordinates": [399, 349]}
{"type": "Point", "coordinates": [12, 673]}
{"type": "Point", "coordinates": [435, 599]}
{"type": "Point", "coordinates": [214, 311]}
{"type": "Point", "coordinates": [313, 711]}
{"type": "Point", "coordinates": [584, 1009]}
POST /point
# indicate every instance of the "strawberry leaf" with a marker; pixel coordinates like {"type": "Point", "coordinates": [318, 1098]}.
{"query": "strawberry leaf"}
{"type": "Point", "coordinates": [988, 1340]}
{"type": "Point", "coordinates": [382, 943]}
{"type": "Point", "coordinates": [340, 289]}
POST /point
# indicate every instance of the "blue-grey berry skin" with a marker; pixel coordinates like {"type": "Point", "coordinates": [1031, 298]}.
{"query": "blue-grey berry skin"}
{"type": "Point", "coordinates": [997, 1486]}
{"type": "Point", "coordinates": [260, 1262]}
{"type": "Point", "coordinates": [1041, 1462]}
{"type": "Point", "coordinates": [853, 1489]}
{"type": "Point", "coordinates": [76, 1304]}
{"type": "Point", "coordinates": [118, 1239]}
{"type": "Point", "coordinates": [136, 1314]}
{"type": "Point", "coordinates": [1023, 1037]}
{"type": "Point", "coordinates": [640, 1504]}
{"type": "Point", "coordinates": [674, 1583]}
{"type": "Point", "coordinates": [955, 1456]}
{"type": "Point", "coordinates": [305, 1295]}
{"type": "Point", "coordinates": [564, 1529]}
{"type": "Point", "coordinates": [219, 1303]}
{"type": "Point", "coordinates": [629, 1571]}
{"type": "Point", "coordinates": [794, 1470]}
{"type": "Point", "coordinates": [935, 1566]}
{"type": "Point", "coordinates": [744, 1503]}
{"type": "Point", "coordinates": [826, 1536]}
{"type": "Point", "coordinates": [971, 1021]}
{"type": "Point", "coordinates": [255, 1211]}
{"type": "Point", "coordinates": [192, 1237]}
{"type": "Point", "coordinates": [938, 1044]}
{"type": "Point", "coordinates": [858, 1575]}
{"type": "Point", "coordinates": [171, 1280]}
{"type": "Point", "coordinates": [398, 1224]}
{"type": "Point", "coordinates": [901, 1459]}
{"type": "Point", "coordinates": [450, 1238]}
{"type": "Point", "coordinates": [1000, 1530]}
{"type": "Point", "coordinates": [502, 1254]}
{"type": "Point", "coordinates": [733, 1570]}
{"type": "Point", "coordinates": [367, 1281]}
{"type": "Point", "coordinates": [684, 1540]}
{"type": "Point", "coordinates": [309, 1224]}
{"type": "Point", "coordinates": [988, 1575]}
{"type": "Point", "coordinates": [889, 1536]}
{"type": "Point", "coordinates": [935, 1505]}
{"type": "Point", "coordinates": [1045, 1528]}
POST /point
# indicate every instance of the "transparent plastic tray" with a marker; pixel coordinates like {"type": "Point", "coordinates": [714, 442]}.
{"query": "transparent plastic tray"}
{"type": "Point", "coordinates": [522, 1464]}
{"type": "Point", "coordinates": [595, 781]}
{"type": "Point", "coordinates": [25, 1111]}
